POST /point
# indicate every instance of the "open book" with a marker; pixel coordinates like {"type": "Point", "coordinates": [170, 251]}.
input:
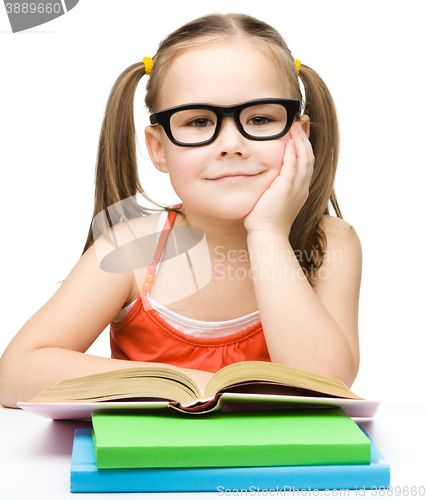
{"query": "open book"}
{"type": "Point", "coordinates": [247, 382]}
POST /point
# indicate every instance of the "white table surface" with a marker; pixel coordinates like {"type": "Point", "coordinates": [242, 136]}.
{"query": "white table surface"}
{"type": "Point", "coordinates": [35, 456]}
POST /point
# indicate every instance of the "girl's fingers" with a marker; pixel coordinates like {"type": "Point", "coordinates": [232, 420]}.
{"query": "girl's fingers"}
{"type": "Point", "coordinates": [303, 145]}
{"type": "Point", "coordinates": [305, 157]}
{"type": "Point", "coordinates": [290, 164]}
{"type": "Point", "coordinates": [291, 153]}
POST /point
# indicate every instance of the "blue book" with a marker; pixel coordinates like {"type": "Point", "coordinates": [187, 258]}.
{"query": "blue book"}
{"type": "Point", "coordinates": [86, 478]}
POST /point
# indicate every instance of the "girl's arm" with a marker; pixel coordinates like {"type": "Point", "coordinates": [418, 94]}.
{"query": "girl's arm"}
{"type": "Point", "coordinates": [50, 346]}
{"type": "Point", "coordinates": [314, 329]}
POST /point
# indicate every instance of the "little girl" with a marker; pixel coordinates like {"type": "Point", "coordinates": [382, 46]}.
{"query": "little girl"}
{"type": "Point", "coordinates": [254, 166]}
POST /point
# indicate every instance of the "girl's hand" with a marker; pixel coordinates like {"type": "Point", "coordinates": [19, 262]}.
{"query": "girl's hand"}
{"type": "Point", "coordinates": [280, 204]}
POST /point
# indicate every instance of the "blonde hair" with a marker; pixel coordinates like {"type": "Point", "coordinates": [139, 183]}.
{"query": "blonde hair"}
{"type": "Point", "coordinates": [117, 171]}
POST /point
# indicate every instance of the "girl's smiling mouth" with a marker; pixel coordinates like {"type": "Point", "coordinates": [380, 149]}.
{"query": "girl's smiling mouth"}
{"type": "Point", "coordinates": [233, 177]}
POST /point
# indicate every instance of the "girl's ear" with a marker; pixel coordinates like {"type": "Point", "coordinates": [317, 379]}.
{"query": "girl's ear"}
{"type": "Point", "coordinates": [153, 140]}
{"type": "Point", "coordinates": [305, 124]}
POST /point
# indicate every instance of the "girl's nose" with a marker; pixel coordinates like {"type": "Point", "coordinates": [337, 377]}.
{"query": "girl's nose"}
{"type": "Point", "coordinates": [230, 142]}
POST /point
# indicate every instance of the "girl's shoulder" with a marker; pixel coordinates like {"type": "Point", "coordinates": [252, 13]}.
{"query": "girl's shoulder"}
{"type": "Point", "coordinates": [138, 227]}
{"type": "Point", "coordinates": [112, 248]}
{"type": "Point", "coordinates": [343, 250]}
{"type": "Point", "coordinates": [336, 229]}
{"type": "Point", "coordinates": [125, 233]}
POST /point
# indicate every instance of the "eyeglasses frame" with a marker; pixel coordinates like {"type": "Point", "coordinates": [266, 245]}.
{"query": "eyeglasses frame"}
{"type": "Point", "coordinates": [163, 117]}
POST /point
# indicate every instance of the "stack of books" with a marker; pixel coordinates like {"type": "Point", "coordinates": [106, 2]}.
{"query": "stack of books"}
{"type": "Point", "coordinates": [256, 425]}
{"type": "Point", "coordinates": [280, 450]}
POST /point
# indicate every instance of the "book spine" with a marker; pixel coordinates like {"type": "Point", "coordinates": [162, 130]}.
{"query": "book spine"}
{"type": "Point", "coordinates": [86, 480]}
{"type": "Point", "coordinates": [231, 456]}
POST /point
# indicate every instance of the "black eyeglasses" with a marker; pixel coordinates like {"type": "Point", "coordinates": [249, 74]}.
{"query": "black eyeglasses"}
{"type": "Point", "coordinates": [193, 125]}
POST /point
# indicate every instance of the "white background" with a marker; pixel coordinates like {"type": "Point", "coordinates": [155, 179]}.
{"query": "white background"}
{"type": "Point", "coordinates": [55, 80]}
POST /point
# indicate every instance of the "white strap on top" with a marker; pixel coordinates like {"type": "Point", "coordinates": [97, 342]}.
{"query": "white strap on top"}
{"type": "Point", "coordinates": [206, 329]}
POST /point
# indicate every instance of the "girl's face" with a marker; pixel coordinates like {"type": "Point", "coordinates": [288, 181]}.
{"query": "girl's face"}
{"type": "Point", "coordinates": [222, 74]}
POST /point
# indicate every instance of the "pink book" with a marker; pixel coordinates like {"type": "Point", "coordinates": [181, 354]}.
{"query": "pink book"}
{"type": "Point", "coordinates": [226, 402]}
{"type": "Point", "coordinates": [240, 386]}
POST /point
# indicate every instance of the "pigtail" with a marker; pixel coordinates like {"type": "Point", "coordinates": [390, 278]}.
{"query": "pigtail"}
{"type": "Point", "coordinates": [307, 232]}
{"type": "Point", "coordinates": [116, 176]}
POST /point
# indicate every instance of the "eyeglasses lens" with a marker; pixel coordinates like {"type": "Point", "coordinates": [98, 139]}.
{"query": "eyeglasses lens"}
{"type": "Point", "coordinates": [193, 125]}
{"type": "Point", "coordinates": [264, 120]}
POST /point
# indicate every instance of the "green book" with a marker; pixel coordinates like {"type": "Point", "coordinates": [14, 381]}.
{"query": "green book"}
{"type": "Point", "coordinates": [229, 439]}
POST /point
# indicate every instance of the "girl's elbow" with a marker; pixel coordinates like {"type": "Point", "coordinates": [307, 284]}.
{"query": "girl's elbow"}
{"type": "Point", "coordinates": [8, 403]}
{"type": "Point", "coordinates": [9, 381]}
{"type": "Point", "coordinates": [350, 377]}
{"type": "Point", "coordinates": [6, 397]}
{"type": "Point", "coordinates": [344, 369]}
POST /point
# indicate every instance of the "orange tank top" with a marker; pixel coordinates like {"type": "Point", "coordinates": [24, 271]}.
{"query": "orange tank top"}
{"type": "Point", "coordinates": [143, 335]}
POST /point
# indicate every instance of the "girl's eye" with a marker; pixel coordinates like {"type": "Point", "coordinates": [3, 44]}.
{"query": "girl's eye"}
{"type": "Point", "coordinates": [259, 120]}
{"type": "Point", "coordinates": [200, 123]}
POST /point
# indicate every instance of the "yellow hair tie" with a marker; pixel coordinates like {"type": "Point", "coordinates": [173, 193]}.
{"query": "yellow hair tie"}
{"type": "Point", "coordinates": [297, 64]}
{"type": "Point", "coordinates": [148, 63]}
